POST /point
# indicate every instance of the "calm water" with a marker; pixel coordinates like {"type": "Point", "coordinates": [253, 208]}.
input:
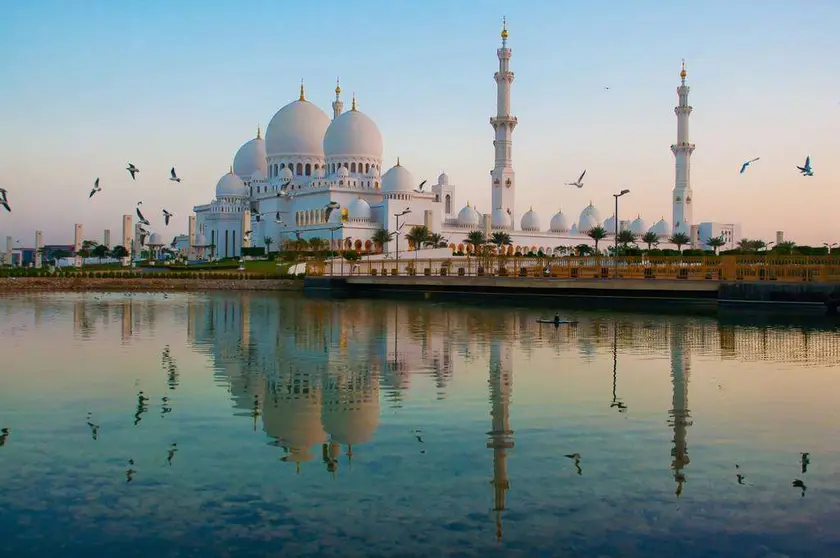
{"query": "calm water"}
{"type": "Point", "coordinates": [248, 425]}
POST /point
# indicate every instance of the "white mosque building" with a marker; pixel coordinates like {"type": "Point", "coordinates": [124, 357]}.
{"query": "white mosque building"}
{"type": "Point", "coordinates": [280, 186]}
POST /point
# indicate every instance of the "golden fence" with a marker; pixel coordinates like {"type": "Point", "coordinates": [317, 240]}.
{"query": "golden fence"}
{"type": "Point", "coordinates": [822, 269]}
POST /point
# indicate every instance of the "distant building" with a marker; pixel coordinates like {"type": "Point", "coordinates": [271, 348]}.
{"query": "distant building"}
{"type": "Point", "coordinates": [730, 232]}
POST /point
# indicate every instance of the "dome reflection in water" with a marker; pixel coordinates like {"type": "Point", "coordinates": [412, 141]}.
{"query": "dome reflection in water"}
{"type": "Point", "coordinates": [271, 423]}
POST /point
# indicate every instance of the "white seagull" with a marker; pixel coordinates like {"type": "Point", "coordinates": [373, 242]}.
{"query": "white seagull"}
{"type": "Point", "coordinates": [166, 216]}
{"type": "Point", "coordinates": [132, 170]}
{"type": "Point", "coordinates": [807, 170]}
{"type": "Point", "coordinates": [172, 176]}
{"type": "Point", "coordinates": [578, 182]}
{"type": "Point", "coordinates": [420, 188]}
{"type": "Point", "coordinates": [748, 163]}
{"type": "Point", "coordinates": [330, 207]}
{"type": "Point", "coordinates": [143, 220]}
{"type": "Point", "coordinates": [96, 188]}
{"type": "Point", "coordinates": [4, 200]}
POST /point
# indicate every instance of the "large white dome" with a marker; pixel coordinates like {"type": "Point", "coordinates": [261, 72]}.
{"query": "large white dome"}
{"type": "Point", "coordinates": [587, 223]}
{"type": "Point", "coordinates": [638, 226]}
{"type": "Point", "coordinates": [469, 217]}
{"type": "Point", "coordinates": [398, 179]}
{"type": "Point", "coordinates": [230, 186]}
{"type": "Point", "coordinates": [297, 129]}
{"type": "Point", "coordinates": [609, 224]}
{"type": "Point", "coordinates": [358, 210]}
{"type": "Point", "coordinates": [662, 228]}
{"type": "Point", "coordinates": [295, 421]}
{"type": "Point", "coordinates": [593, 212]}
{"type": "Point", "coordinates": [353, 134]}
{"type": "Point", "coordinates": [530, 221]}
{"type": "Point", "coordinates": [155, 240]}
{"type": "Point", "coordinates": [250, 159]}
{"type": "Point", "coordinates": [501, 220]}
{"type": "Point", "coordinates": [558, 223]}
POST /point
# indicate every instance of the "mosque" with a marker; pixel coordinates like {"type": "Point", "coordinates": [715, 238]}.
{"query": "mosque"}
{"type": "Point", "coordinates": [286, 185]}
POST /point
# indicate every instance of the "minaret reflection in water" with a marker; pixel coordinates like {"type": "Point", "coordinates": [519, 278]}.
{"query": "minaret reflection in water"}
{"type": "Point", "coordinates": [501, 436]}
{"type": "Point", "coordinates": [680, 417]}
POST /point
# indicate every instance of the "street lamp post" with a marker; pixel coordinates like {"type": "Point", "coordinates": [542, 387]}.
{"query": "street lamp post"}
{"type": "Point", "coordinates": [830, 246]}
{"type": "Point", "coordinates": [615, 238]}
{"type": "Point", "coordinates": [406, 211]}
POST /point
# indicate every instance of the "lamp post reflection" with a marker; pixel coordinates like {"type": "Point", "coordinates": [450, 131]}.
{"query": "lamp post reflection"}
{"type": "Point", "coordinates": [616, 402]}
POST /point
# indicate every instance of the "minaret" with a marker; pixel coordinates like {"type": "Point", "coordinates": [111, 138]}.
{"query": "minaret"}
{"type": "Point", "coordinates": [338, 104]}
{"type": "Point", "coordinates": [682, 150]}
{"type": "Point", "coordinates": [501, 436]}
{"type": "Point", "coordinates": [680, 416]}
{"type": "Point", "coordinates": [502, 175]}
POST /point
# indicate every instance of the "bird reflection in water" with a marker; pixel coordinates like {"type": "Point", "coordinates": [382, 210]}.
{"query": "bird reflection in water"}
{"type": "Point", "coordinates": [801, 485]}
{"type": "Point", "coordinates": [142, 407]}
{"type": "Point", "coordinates": [170, 367]}
{"type": "Point", "coordinates": [94, 428]}
{"type": "Point", "coordinates": [165, 406]}
{"type": "Point", "coordinates": [171, 453]}
{"type": "Point", "coordinates": [129, 472]}
{"type": "Point", "coordinates": [4, 435]}
{"type": "Point", "coordinates": [575, 457]}
{"type": "Point", "coordinates": [805, 460]}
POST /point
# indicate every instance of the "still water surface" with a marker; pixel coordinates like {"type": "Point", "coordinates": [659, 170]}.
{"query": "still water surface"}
{"type": "Point", "coordinates": [250, 425]}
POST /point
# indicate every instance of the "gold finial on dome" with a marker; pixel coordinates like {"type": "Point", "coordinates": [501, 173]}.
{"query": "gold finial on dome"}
{"type": "Point", "coordinates": [683, 72]}
{"type": "Point", "coordinates": [259, 132]}
{"type": "Point", "coordinates": [353, 104]}
{"type": "Point", "coordinates": [398, 161]}
{"type": "Point", "coordinates": [302, 92]}
{"type": "Point", "coordinates": [504, 29]}
{"type": "Point", "coordinates": [231, 170]}
{"type": "Point", "coordinates": [337, 86]}
{"type": "Point", "coordinates": [468, 203]}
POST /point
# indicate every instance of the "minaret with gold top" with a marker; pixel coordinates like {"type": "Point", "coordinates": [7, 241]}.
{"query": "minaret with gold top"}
{"type": "Point", "coordinates": [338, 104]}
{"type": "Point", "coordinates": [502, 176]}
{"type": "Point", "coordinates": [682, 150]}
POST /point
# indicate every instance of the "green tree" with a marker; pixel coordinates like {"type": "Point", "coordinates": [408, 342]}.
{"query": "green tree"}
{"type": "Point", "coordinates": [626, 237]}
{"type": "Point", "coordinates": [476, 239]}
{"type": "Point", "coordinates": [59, 254]}
{"type": "Point", "coordinates": [87, 249]}
{"type": "Point", "coordinates": [381, 238]}
{"type": "Point", "coordinates": [417, 236]}
{"type": "Point", "coordinates": [317, 244]}
{"type": "Point", "coordinates": [651, 239]}
{"type": "Point", "coordinates": [500, 239]}
{"type": "Point", "coordinates": [436, 240]}
{"type": "Point", "coordinates": [583, 249]}
{"type": "Point", "coordinates": [679, 240]}
{"type": "Point", "coordinates": [119, 252]}
{"type": "Point", "coordinates": [597, 234]}
{"type": "Point", "coordinates": [786, 247]}
{"type": "Point", "coordinates": [268, 241]}
{"type": "Point", "coordinates": [100, 251]}
{"type": "Point", "coordinates": [715, 243]}
{"type": "Point", "coordinates": [746, 245]}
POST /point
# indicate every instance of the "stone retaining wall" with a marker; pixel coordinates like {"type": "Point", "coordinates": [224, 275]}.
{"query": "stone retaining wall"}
{"type": "Point", "coordinates": [27, 284]}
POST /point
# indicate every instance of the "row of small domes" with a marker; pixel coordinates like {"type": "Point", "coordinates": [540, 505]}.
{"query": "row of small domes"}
{"type": "Point", "coordinates": [589, 219]}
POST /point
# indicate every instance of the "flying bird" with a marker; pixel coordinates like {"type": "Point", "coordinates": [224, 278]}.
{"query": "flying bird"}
{"type": "Point", "coordinates": [96, 188]}
{"type": "Point", "coordinates": [166, 216]}
{"type": "Point", "coordinates": [748, 163]}
{"type": "Point", "coordinates": [806, 170]}
{"type": "Point", "coordinates": [143, 220]}
{"type": "Point", "coordinates": [4, 200]}
{"type": "Point", "coordinates": [606, 88]}
{"type": "Point", "coordinates": [420, 188]}
{"type": "Point", "coordinates": [172, 176]}
{"type": "Point", "coordinates": [143, 234]}
{"type": "Point", "coordinates": [132, 170]}
{"type": "Point", "coordinates": [330, 207]}
{"type": "Point", "coordinates": [578, 182]}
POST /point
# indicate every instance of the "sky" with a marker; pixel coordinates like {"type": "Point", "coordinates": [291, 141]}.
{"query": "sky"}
{"type": "Point", "coordinates": [88, 86]}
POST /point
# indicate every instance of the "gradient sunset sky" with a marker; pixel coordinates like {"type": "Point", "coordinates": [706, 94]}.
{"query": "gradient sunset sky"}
{"type": "Point", "coordinates": [89, 86]}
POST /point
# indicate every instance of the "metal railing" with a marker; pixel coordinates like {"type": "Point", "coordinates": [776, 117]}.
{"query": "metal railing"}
{"type": "Point", "coordinates": [823, 269]}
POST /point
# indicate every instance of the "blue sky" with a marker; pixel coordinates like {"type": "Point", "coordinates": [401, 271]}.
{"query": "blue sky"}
{"type": "Point", "coordinates": [88, 86]}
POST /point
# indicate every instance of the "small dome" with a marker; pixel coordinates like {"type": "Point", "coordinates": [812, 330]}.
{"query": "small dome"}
{"type": "Point", "coordinates": [398, 179]}
{"type": "Point", "coordinates": [638, 226]}
{"type": "Point", "coordinates": [358, 210]}
{"type": "Point", "coordinates": [443, 179]}
{"type": "Point", "coordinates": [155, 240]}
{"type": "Point", "coordinates": [286, 174]}
{"type": "Point", "coordinates": [558, 223]}
{"type": "Point", "coordinates": [501, 220]}
{"type": "Point", "coordinates": [343, 172]}
{"type": "Point", "coordinates": [230, 186]}
{"type": "Point", "coordinates": [609, 225]}
{"type": "Point", "coordinates": [574, 229]}
{"type": "Point", "coordinates": [530, 221]}
{"type": "Point", "coordinates": [353, 134]}
{"type": "Point", "coordinates": [469, 217]}
{"type": "Point", "coordinates": [250, 159]}
{"type": "Point", "coordinates": [257, 175]}
{"type": "Point", "coordinates": [297, 129]}
{"type": "Point", "coordinates": [662, 228]}
{"type": "Point", "coordinates": [200, 240]}
{"type": "Point", "coordinates": [350, 412]}
{"type": "Point", "coordinates": [587, 223]}
{"type": "Point", "coordinates": [295, 421]}
{"type": "Point", "coordinates": [592, 211]}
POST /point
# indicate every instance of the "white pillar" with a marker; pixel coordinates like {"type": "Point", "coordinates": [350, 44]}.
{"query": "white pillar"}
{"type": "Point", "coordinates": [77, 244]}
{"type": "Point", "coordinates": [39, 245]}
{"type": "Point", "coordinates": [8, 251]}
{"type": "Point", "coordinates": [246, 228]}
{"type": "Point", "coordinates": [191, 233]}
{"type": "Point", "coordinates": [126, 237]}
{"type": "Point", "coordinates": [106, 238]}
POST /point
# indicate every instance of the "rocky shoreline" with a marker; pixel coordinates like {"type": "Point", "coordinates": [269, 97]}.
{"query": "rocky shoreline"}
{"type": "Point", "coordinates": [30, 284]}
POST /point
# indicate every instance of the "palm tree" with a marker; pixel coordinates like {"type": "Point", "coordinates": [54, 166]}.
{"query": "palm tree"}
{"type": "Point", "coordinates": [786, 247]}
{"type": "Point", "coordinates": [597, 234]}
{"type": "Point", "coordinates": [583, 249]}
{"type": "Point", "coordinates": [476, 239]}
{"type": "Point", "coordinates": [500, 239]}
{"type": "Point", "coordinates": [381, 238]}
{"type": "Point", "coordinates": [626, 237]}
{"type": "Point", "coordinates": [317, 244]}
{"type": "Point", "coordinates": [417, 235]}
{"type": "Point", "coordinates": [745, 245]}
{"type": "Point", "coordinates": [716, 242]}
{"type": "Point", "coordinates": [268, 241]}
{"type": "Point", "coordinates": [679, 240]}
{"type": "Point", "coordinates": [436, 240]}
{"type": "Point", "coordinates": [650, 238]}
{"type": "Point", "coordinates": [758, 245]}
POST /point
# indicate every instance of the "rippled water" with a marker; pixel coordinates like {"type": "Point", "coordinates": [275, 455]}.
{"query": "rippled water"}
{"type": "Point", "coordinates": [250, 425]}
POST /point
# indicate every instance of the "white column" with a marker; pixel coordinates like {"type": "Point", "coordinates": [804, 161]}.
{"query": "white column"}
{"type": "Point", "coordinates": [126, 237]}
{"type": "Point", "coordinates": [682, 150]}
{"type": "Point", "coordinates": [106, 238]}
{"type": "Point", "coordinates": [77, 244]}
{"type": "Point", "coordinates": [191, 233]}
{"type": "Point", "coordinates": [503, 178]}
{"type": "Point", "coordinates": [39, 245]}
{"type": "Point", "coordinates": [8, 251]}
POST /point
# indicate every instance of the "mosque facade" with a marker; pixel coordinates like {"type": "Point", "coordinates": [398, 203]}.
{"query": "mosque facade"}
{"type": "Point", "coordinates": [285, 185]}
